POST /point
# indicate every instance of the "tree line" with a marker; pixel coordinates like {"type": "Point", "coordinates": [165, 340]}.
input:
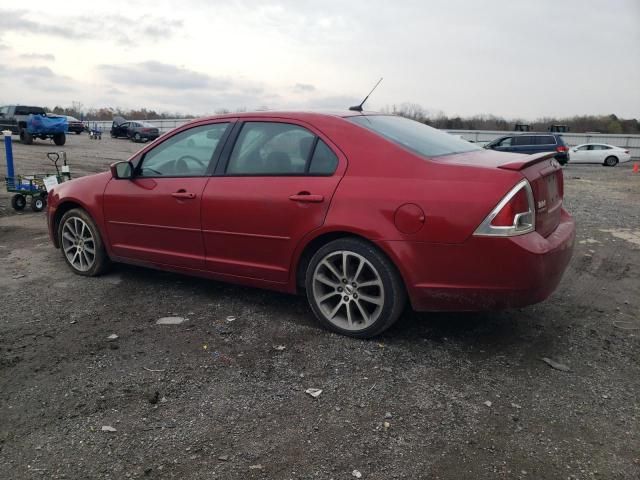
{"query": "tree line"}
{"type": "Point", "coordinates": [578, 123]}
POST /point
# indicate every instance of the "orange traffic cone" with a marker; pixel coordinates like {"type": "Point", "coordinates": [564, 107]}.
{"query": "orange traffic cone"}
{"type": "Point", "coordinates": [636, 168]}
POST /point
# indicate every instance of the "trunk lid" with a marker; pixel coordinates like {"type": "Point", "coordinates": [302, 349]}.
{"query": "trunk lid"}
{"type": "Point", "coordinates": [542, 171]}
{"type": "Point", "coordinates": [544, 174]}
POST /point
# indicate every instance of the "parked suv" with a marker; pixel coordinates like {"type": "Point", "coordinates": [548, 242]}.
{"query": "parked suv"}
{"type": "Point", "coordinates": [532, 143]}
{"type": "Point", "coordinates": [15, 117]}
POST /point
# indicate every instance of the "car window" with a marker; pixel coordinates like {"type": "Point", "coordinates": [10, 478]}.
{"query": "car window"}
{"type": "Point", "coordinates": [415, 136]}
{"type": "Point", "coordinates": [324, 161]}
{"type": "Point", "coordinates": [29, 111]}
{"type": "Point", "coordinates": [600, 147]}
{"type": "Point", "coordinates": [186, 154]}
{"type": "Point", "coordinates": [523, 140]}
{"type": "Point", "coordinates": [545, 140]}
{"type": "Point", "coordinates": [269, 148]}
{"type": "Point", "coordinates": [583, 148]}
{"type": "Point", "coordinates": [505, 142]}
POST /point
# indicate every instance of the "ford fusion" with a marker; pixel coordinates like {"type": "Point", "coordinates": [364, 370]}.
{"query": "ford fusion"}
{"type": "Point", "coordinates": [362, 212]}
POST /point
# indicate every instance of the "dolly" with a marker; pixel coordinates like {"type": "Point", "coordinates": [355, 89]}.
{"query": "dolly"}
{"type": "Point", "coordinates": [36, 186]}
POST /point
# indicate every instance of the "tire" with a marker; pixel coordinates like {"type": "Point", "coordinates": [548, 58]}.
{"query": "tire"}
{"type": "Point", "coordinates": [137, 138]}
{"type": "Point", "coordinates": [18, 202]}
{"type": "Point", "coordinates": [78, 133]}
{"type": "Point", "coordinates": [339, 304]}
{"type": "Point", "coordinates": [611, 161]}
{"type": "Point", "coordinates": [59, 139]}
{"type": "Point", "coordinates": [26, 137]}
{"type": "Point", "coordinates": [77, 232]}
{"type": "Point", "coordinates": [38, 203]}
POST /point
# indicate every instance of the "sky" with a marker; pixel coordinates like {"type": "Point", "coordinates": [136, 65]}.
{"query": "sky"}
{"type": "Point", "coordinates": [517, 58]}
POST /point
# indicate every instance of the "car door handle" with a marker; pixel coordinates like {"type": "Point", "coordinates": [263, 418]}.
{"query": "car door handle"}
{"type": "Point", "coordinates": [183, 195]}
{"type": "Point", "coordinates": [306, 197]}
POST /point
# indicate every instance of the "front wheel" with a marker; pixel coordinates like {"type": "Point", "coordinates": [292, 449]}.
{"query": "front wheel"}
{"type": "Point", "coordinates": [354, 289]}
{"type": "Point", "coordinates": [137, 138]}
{"type": "Point", "coordinates": [611, 161]}
{"type": "Point", "coordinates": [38, 203]}
{"type": "Point", "coordinates": [26, 137]}
{"type": "Point", "coordinates": [81, 244]}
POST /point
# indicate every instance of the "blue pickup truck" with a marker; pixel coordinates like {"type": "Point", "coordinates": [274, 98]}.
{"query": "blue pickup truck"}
{"type": "Point", "coordinates": [31, 123]}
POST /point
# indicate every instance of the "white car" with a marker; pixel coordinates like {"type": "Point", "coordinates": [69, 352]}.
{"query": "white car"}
{"type": "Point", "coordinates": [601, 153]}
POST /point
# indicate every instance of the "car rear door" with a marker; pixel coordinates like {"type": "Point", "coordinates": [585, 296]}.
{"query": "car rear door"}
{"type": "Point", "coordinates": [155, 217]}
{"type": "Point", "coordinates": [544, 143]}
{"type": "Point", "coordinates": [273, 185]}
{"type": "Point", "coordinates": [523, 144]}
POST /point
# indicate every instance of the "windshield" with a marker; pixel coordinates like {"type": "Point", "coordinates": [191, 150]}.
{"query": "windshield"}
{"type": "Point", "coordinates": [415, 136]}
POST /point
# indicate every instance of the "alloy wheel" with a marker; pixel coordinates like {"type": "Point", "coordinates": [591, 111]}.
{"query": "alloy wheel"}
{"type": "Point", "coordinates": [78, 244]}
{"type": "Point", "coordinates": [348, 290]}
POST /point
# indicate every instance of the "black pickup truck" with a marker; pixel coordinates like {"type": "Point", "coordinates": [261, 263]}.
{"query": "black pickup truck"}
{"type": "Point", "coordinates": [14, 118]}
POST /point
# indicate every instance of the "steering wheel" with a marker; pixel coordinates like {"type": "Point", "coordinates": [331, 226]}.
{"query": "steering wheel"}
{"type": "Point", "coordinates": [181, 163]}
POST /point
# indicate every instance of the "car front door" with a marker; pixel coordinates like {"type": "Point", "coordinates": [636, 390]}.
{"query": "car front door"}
{"type": "Point", "coordinates": [273, 186]}
{"type": "Point", "coordinates": [580, 154]}
{"type": "Point", "coordinates": [503, 145]}
{"type": "Point", "coordinates": [155, 216]}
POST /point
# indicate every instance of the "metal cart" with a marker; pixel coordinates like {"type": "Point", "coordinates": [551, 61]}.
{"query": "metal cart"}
{"type": "Point", "coordinates": [33, 187]}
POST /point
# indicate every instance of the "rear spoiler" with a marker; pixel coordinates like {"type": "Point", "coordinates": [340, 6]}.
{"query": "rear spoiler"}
{"type": "Point", "coordinates": [527, 160]}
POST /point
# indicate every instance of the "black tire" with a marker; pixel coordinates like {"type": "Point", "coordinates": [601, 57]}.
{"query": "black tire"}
{"type": "Point", "coordinates": [137, 138]}
{"type": "Point", "coordinates": [389, 286]}
{"type": "Point", "coordinates": [101, 261]}
{"type": "Point", "coordinates": [78, 133]}
{"type": "Point", "coordinates": [26, 137]}
{"type": "Point", "coordinates": [38, 203]}
{"type": "Point", "coordinates": [611, 161]}
{"type": "Point", "coordinates": [18, 202]}
{"type": "Point", "coordinates": [59, 139]}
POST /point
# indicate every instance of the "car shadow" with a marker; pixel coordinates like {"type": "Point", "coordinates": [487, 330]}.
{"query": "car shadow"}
{"type": "Point", "coordinates": [493, 333]}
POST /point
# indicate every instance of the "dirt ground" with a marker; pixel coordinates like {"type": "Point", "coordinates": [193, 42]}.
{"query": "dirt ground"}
{"type": "Point", "coordinates": [439, 396]}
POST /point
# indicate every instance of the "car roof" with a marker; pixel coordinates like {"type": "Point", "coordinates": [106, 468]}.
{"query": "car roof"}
{"type": "Point", "coordinates": [293, 114]}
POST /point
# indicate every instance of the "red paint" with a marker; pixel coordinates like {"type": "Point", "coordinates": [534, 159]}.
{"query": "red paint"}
{"type": "Point", "coordinates": [421, 212]}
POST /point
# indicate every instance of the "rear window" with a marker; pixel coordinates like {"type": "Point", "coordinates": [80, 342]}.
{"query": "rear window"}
{"type": "Point", "coordinates": [414, 136]}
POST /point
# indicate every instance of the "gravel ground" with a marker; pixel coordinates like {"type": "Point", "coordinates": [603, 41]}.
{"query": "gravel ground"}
{"type": "Point", "coordinates": [439, 396]}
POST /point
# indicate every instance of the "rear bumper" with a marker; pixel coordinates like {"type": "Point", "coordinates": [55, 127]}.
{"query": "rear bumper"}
{"type": "Point", "coordinates": [485, 273]}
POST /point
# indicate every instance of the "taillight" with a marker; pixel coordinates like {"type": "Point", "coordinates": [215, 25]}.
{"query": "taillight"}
{"type": "Point", "coordinates": [562, 148]}
{"type": "Point", "coordinates": [514, 215]}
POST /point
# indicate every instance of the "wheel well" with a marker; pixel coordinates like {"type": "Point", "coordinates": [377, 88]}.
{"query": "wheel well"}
{"type": "Point", "coordinates": [318, 242]}
{"type": "Point", "coordinates": [60, 211]}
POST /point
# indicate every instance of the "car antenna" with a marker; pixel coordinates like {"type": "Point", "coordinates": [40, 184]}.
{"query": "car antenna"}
{"type": "Point", "coordinates": [358, 108]}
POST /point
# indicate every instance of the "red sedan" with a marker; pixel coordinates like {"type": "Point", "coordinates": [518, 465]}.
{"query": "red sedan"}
{"type": "Point", "coordinates": [361, 211]}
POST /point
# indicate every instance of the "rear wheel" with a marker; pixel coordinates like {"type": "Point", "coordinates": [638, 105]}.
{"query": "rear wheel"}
{"type": "Point", "coordinates": [354, 289]}
{"type": "Point", "coordinates": [38, 203]}
{"type": "Point", "coordinates": [81, 244]}
{"type": "Point", "coordinates": [59, 139]}
{"type": "Point", "coordinates": [611, 161]}
{"type": "Point", "coordinates": [18, 202]}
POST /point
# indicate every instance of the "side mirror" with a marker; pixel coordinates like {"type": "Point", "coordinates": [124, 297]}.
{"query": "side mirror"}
{"type": "Point", "coordinates": [121, 170]}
